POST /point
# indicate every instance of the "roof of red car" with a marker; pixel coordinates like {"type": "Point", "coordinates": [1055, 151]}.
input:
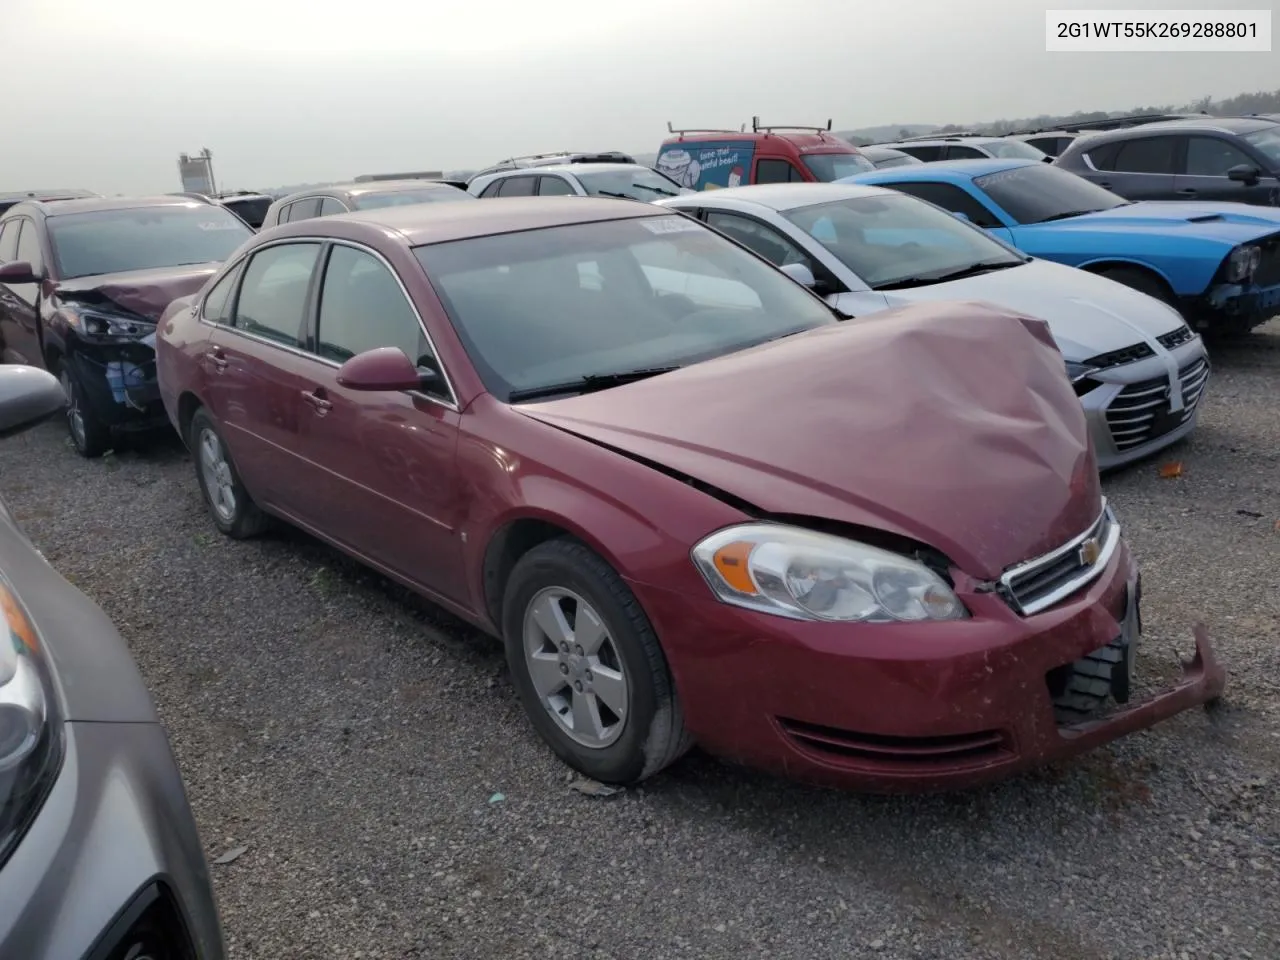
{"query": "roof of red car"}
{"type": "Point", "coordinates": [803, 142]}
{"type": "Point", "coordinates": [421, 223]}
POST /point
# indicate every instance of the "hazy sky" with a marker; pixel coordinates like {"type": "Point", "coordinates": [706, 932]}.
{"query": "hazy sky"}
{"type": "Point", "coordinates": [104, 95]}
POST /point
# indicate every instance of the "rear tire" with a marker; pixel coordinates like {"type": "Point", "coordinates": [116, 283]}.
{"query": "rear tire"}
{"type": "Point", "coordinates": [89, 435]}
{"type": "Point", "coordinates": [559, 593]}
{"type": "Point", "coordinates": [233, 510]}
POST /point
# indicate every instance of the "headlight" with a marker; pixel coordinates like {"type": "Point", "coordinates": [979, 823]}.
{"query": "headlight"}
{"type": "Point", "coordinates": [106, 326]}
{"type": "Point", "coordinates": [28, 734]}
{"type": "Point", "coordinates": [793, 572]}
{"type": "Point", "coordinates": [1243, 262]}
{"type": "Point", "coordinates": [1077, 371]}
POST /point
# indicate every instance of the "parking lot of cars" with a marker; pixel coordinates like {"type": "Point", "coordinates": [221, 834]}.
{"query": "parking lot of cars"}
{"type": "Point", "coordinates": [367, 753]}
{"type": "Point", "coordinates": [785, 478]}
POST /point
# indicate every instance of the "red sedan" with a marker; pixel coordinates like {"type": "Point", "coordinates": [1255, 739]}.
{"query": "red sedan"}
{"type": "Point", "coordinates": [696, 506]}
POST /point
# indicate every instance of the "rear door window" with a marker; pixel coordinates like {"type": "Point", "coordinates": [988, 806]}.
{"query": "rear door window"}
{"type": "Point", "coordinates": [304, 209]}
{"type": "Point", "coordinates": [517, 187]}
{"type": "Point", "coordinates": [1146, 155]}
{"type": "Point", "coordinates": [330, 207]}
{"type": "Point", "coordinates": [554, 187]}
{"type": "Point", "coordinates": [958, 152]}
{"type": "Point", "coordinates": [924, 153]}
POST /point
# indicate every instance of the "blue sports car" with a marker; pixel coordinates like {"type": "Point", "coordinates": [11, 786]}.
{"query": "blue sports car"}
{"type": "Point", "coordinates": [1218, 263]}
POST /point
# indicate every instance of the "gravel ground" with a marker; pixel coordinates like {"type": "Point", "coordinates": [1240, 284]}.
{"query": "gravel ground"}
{"type": "Point", "coordinates": [355, 741]}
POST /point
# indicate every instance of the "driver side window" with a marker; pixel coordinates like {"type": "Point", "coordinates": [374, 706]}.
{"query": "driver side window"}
{"type": "Point", "coordinates": [362, 307]}
{"type": "Point", "coordinates": [948, 197]}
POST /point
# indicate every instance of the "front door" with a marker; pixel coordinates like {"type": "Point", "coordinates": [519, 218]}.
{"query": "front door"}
{"type": "Point", "coordinates": [1203, 175]}
{"type": "Point", "coordinates": [256, 373]}
{"type": "Point", "coordinates": [385, 476]}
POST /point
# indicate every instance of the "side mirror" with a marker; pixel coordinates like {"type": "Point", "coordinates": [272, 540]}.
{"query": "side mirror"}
{"type": "Point", "coordinates": [383, 369]}
{"type": "Point", "coordinates": [1241, 173]}
{"type": "Point", "coordinates": [17, 271]}
{"type": "Point", "coordinates": [801, 274]}
{"type": "Point", "coordinates": [28, 396]}
{"type": "Point", "coordinates": [959, 215]}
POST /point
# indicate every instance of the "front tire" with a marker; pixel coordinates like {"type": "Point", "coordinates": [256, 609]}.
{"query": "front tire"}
{"type": "Point", "coordinates": [89, 435]}
{"type": "Point", "coordinates": [588, 666]}
{"type": "Point", "coordinates": [233, 510]}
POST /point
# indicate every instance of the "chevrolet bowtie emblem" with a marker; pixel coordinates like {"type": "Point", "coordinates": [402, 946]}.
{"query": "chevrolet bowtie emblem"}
{"type": "Point", "coordinates": [1089, 552]}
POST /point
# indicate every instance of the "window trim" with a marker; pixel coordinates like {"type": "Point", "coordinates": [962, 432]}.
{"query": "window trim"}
{"type": "Point", "coordinates": [311, 312]}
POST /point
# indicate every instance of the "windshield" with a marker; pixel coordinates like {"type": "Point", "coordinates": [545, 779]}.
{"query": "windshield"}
{"type": "Point", "coordinates": [829, 167]}
{"type": "Point", "coordinates": [143, 238]}
{"type": "Point", "coordinates": [554, 305]}
{"type": "Point", "coordinates": [1268, 142]}
{"type": "Point", "coordinates": [889, 238]}
{"type": "Point", "coordinates": [401, 198]}
{"type": "Point", "coordinates": [1013, 150]}
{"type": "Point", "coordinates": [1034, 194]}
{"type": "Point", "coordinates": [638, 184]}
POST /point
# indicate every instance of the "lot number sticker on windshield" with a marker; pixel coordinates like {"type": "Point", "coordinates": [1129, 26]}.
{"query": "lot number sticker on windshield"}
{"type": "Point", "coordinates": [219, 225]}
{"type": "Point", "coordinates": [671, 225]}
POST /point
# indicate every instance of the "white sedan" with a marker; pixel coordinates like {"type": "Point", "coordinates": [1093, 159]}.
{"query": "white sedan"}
{"type": "Point", "coordinates": [1139, 371]}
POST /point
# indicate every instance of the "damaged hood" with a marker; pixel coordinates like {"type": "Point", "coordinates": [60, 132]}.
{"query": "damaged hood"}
{"type": "Point", "coordinates": [145, 293]}
{"type": "Point", "coordinates": [951, 424]}
{"type": "Point", "coordinates": [1088, 314]}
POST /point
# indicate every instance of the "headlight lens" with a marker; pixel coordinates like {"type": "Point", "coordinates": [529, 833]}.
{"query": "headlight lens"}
{"type": "Point", "coordinates": [28, 738]}
{"type": "Point", "coordinates": [105, 326]}
{"type": "Point", "coordinates": [793, 572]}
{"type": "Point", "coordinates": [1243, 262]}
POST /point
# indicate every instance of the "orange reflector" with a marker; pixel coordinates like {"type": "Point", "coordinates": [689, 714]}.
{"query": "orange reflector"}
{"type": "Point", "coordinates": [16, 619]}
{"type": "Point", "coordinates": [731, 564]}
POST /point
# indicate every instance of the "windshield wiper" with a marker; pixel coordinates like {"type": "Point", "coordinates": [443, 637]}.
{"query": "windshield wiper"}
{"type": "Point", "coordinates": [589, 383]}
{"type": "Point", "coordinates": [982, 266]}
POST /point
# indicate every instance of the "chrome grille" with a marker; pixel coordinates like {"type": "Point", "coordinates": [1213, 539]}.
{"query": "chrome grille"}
{"type": "Point", "coordinates": [1140, 412]}
{"type": "Point", "coordinates": [1043, 581]}
{"type": "Point", "coordinates": [1177, 338]}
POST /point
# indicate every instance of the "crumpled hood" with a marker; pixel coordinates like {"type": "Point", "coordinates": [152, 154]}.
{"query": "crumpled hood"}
{"type": "Point", "coordinates": [143, 292]}
{"type": "Point", "coordinates": [1230, 223]}
{"type": "Point", "coordinates": [1088, 314]}
{"type": "Point", "coordinates": [952, 424]}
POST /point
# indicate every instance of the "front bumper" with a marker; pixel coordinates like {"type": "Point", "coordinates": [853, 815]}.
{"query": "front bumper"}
{"type": "Point", "coordinates": [1233, 307]}
{"type": "Point", "coordinates": [119, 385]}
{"type": "Point", "coordinates": [1130, 416]}
{"type": "Point", "coordinates": [114, 826]}
{"type": "Point", "coordinates": [900, 707]}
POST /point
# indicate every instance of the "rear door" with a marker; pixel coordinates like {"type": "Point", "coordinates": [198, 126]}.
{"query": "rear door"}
{"type": "Point", "coordinates": [257, 369]}
{"type": "Point", "coordinates": [382, 477]}
{"type": "Point", "coordinates": [1203, 173]}
{"type": "Point", "coordinates": [1139, 169]}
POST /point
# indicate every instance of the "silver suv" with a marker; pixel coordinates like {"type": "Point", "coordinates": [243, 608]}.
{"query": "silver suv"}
{"type": "Point", "coordinates": [966, 146]}
{"type": "Point", "coordinates": [628, 181]}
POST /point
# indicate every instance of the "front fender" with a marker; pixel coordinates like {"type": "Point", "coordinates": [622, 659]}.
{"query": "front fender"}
{"type": "Point", "coordinates": [1187, 264]}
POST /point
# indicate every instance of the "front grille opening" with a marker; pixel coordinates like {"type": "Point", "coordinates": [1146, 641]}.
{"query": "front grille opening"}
{"type": "Point", "coordinates": [1141, 411]}
{"type": "Point", "coordinates": [150, 928]}
{"type": "Point", "coordinates": [880, 750]}
{"type": "Point", "coordinates": [1114, 358]}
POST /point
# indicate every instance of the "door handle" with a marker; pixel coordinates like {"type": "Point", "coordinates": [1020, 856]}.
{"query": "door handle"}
{"type": "Point", "coordinates": [1104, 184]}
{"type": "Point", "coordinates": [313, 397]}
{"type": "Point", "coordinates": [1185, 192]}
{"type": "Point", "coordinates": [218, 359]}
